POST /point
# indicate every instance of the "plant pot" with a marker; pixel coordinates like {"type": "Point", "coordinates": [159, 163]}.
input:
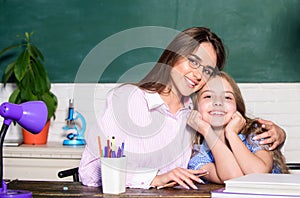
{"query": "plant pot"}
{"type": "Point", "coordinates": [40, 138]}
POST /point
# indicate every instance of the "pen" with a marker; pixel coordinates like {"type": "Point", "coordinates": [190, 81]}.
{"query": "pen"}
{"type": "Point", "coordinates": [108, 148]}
{"type": "Point", "coordinates": [167, 185]}
{"type": "Point", "coordinates": [113, 143]}
{"type": "Point", "coordinates": [122, 148]}
{"type": "Point", "coordinates": [113, 154]}
{"type": "Point", "coordinates": [100, 147]}
{"type": "Point", "coordinates": [105, 151]}
{"type": "Point", "coordinates": [119, 152]}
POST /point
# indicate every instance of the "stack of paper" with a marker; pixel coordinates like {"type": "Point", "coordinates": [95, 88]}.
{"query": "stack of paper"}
{"type": "Point", "coordinates": [261, 185]}
{"type": "Point", "coordinates": [12, 142]}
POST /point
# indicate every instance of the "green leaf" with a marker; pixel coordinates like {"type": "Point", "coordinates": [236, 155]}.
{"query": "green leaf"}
{"type": "Point", "coordinates": [8, 72]}
{"type": "Point", "coordinates": [21, 65]}
{"type": "Point", "coordinates": [4, 50]}
{"type": "Point", "coordinates": [51, 101]}
{"type": "Point", "coordinates": [40, 68]}
{"type": "Point", "coordinates": [27, 36]}
{"type": "Point", "coordinates": [42, 84]}
{"type": "Point", "coordinates": [26, 95]}
{"type": "Point", "coordinates": [36, 52]}
{"type": "Point", "coordinates": [15, 97]}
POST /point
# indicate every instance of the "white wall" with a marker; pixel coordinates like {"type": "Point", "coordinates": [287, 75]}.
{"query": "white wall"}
{"type": "Point", "coordinates": [278, 102]}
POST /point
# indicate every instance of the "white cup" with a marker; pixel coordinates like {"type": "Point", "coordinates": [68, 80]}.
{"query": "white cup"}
{"type": "Point", "coordinates": [113, 175]}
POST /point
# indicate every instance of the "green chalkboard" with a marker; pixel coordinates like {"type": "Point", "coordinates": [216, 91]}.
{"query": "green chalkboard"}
{"type": "Point", "coordinates": [119, 40]}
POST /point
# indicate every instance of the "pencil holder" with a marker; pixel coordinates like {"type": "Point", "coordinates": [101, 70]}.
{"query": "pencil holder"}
{"type": "Point", "coordinates": [113, 175]}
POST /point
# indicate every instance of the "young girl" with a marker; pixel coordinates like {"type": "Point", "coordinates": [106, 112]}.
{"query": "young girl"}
{"type": "Point", "coordinates": [225, 152]}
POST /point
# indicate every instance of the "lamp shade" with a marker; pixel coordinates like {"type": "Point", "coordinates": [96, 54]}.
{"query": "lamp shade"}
{"type": "Point", "coordinates": [32, 115]}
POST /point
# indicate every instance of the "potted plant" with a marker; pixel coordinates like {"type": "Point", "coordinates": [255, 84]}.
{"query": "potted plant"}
{"type": "Point", "coordinates": [32, 81]}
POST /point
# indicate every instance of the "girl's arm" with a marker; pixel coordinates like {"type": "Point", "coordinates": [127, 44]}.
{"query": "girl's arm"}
{"type": "Point", "coordinates": [225, 166]}
{"type": "Point", "coordinates": [259, 162]}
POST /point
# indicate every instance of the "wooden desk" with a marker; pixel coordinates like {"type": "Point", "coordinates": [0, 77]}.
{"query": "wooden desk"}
{"type": "Point", "coordinates": [75, 189]}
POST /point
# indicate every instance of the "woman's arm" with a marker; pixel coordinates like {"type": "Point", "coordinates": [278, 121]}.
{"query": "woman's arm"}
{"type": "Point", "coordinates": [89, 169]}
{"type": "Point", "coordinates": [181, 176]}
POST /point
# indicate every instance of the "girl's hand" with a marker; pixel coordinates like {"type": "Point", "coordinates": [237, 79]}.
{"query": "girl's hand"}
{"type": "Point", "coordinates": [182, 176]}
{"type": "Point", "coordinates": [195, 121]}
{"type": "Point", "coordinates": [236, 123]}
{"type": "Point", "coordinates": [274, 135]}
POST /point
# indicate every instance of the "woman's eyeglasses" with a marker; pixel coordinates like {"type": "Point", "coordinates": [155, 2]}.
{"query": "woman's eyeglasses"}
{"type": "Point", "coordinates": [194, 63]}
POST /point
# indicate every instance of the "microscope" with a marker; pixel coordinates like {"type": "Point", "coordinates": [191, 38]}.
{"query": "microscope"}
{"type": "Point", "coordinates": [75, 134]}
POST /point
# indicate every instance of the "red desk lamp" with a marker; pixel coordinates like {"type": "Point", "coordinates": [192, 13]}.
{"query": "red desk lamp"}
{"type": "Point", "coordinates": [30, 115]}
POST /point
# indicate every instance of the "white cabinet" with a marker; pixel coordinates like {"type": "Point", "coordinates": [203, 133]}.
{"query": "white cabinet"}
{"type": "Point", "coordinates": [40, 162]}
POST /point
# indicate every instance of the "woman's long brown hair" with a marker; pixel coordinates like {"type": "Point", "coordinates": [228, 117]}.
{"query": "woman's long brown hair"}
{"type": "Point", "coordinates": [181, 46]}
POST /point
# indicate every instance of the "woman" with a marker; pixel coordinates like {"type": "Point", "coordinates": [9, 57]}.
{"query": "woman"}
{"type": "Point", "coordinates": [150, 117]}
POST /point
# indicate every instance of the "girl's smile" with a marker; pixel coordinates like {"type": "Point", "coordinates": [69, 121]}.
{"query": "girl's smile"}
{"type": "Point", "coordinates": [217, 102]}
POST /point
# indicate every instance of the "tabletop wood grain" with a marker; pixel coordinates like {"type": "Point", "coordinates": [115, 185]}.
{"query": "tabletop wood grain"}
{"type": "Point", "coordinates": [76, 189]}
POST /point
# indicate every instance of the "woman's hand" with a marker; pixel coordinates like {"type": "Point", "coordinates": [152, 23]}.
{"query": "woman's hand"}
{"type": "Point", "coordinates": [182, 176]}
{"type": "Point", "coordinates": [195, 121]}
{"type": "Point", "coordinates": [274, 135]}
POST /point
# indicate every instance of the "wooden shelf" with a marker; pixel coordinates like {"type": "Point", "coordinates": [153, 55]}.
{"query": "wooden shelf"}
{"type": "Point", "coordinates": [40, 162]}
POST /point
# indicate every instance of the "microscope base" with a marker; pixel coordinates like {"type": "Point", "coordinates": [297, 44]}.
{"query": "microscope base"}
{"type": "Point", "coordinates": [76, 142]}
